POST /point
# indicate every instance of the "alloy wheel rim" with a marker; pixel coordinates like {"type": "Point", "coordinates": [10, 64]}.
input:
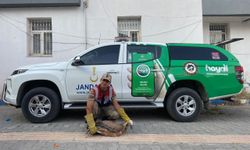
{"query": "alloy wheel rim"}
{"type": "Point", "coordinates": [185, 105]}
{"type": "Point", "coordinates": [39, 105]}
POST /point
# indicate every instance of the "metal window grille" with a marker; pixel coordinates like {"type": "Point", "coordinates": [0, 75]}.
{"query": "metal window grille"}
{"type": "Point", "coordinates": [41, 32]}
{"type": "Point", "coordinates": [218, 33]}
{"type": "Point", "coordinates": [130, 27]}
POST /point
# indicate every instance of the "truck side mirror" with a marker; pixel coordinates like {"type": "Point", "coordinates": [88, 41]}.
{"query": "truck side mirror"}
{"type": "Point", "coordinates": [77, 61]}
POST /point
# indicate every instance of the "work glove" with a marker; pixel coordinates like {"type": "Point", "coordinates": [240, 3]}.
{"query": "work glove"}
{"type": "Point", "coordinates": [124, 116]}
{"type": "Point", "coordinates": [91, 123]}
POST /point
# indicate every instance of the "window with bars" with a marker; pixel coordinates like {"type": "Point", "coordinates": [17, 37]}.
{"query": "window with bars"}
{"type": "Point", "coordinates": [130, 27]}
{"type": "Point", "coordinates": [40, 37]}
{"type": "Point", "coordinates": [218, 33]}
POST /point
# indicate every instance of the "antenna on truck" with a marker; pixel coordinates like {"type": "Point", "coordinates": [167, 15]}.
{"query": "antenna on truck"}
{"type": "Point", "coordinates": [221, 43]}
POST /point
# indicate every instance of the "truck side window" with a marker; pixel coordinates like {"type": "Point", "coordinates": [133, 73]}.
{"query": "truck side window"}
{"type": "Point", "coordinates": [195, 53]}
{"type": "Point", "coordinates": [155, 50]}
{"type": "Point", "coordinates": [102, 55]}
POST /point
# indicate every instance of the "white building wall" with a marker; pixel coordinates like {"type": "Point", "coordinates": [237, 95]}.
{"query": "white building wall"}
{"type": "Point", "coordinates": [14, 35]}
{"type": "Point", "coordinates": [161, 21]}
{"type": "Point", "coordinates": [237, 29]}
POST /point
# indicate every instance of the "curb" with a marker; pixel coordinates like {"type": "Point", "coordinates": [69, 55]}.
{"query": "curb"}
{"type": "Point", "coordinates": [127, 138]}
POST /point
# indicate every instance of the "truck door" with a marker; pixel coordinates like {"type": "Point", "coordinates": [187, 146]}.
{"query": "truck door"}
{"type": "Point", "coordinates": [140, 80]}
{"type": "Point", "coordinates": [82, 78]}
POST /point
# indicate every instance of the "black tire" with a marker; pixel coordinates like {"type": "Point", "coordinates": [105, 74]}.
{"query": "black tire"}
{"type": "Point", "coordinates": [188, 111]}
{"type": "Point", "coordinates": [41, 93]}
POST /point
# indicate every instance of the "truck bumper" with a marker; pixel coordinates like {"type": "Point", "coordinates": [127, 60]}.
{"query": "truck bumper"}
{"type": "Point", "coordinates": [6, 95]}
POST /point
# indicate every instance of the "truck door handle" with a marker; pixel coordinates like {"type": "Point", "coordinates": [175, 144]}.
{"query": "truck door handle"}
{"type": "Point", "coordinates": [113, 72]}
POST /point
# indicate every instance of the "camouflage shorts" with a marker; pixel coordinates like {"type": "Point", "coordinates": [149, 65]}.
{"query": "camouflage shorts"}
{"type": "Point", "coordinates": [105, 112]}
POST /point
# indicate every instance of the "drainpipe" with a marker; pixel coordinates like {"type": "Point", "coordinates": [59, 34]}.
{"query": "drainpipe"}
{"type": "Point", "coordinates": [85, 6]}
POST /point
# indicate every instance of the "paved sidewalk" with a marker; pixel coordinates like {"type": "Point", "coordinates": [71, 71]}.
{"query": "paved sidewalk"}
{"type": "Point", "coordinates": [228, 120]}
{"type": "Point", "coordinates": [227, 128]}
{"type": "Point", "coordinates": [54, 145]}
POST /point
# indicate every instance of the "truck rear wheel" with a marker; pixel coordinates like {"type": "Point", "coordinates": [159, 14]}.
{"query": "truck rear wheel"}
{"type": "Point", "coordinates": [184, 105]}
{"type": "Point", "coordinates": [40, 105]}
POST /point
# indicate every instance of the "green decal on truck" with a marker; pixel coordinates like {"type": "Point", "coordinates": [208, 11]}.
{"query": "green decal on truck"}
{"type": "Point", "coordinates": [142, 75]}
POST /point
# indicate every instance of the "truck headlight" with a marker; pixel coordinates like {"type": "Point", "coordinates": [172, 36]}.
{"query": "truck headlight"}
{"type": "Point", "coordinates": [19, 71]}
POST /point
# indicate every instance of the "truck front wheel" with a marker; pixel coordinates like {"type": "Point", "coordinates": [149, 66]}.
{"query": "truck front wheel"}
{"type": "Point", "coordinates": [40, 105]}
{"type": "Point", "coordinates": [184, 105]}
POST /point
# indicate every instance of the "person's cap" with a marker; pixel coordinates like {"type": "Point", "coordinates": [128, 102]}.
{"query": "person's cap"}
{"type": "Point", "coordinates": [106, 76]}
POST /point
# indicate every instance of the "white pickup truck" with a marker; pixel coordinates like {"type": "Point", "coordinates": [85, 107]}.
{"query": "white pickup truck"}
{"type": "Point", "coordinates": [143, 75]}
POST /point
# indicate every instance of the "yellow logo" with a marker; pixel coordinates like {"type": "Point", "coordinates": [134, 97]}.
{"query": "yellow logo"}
{"type": "Point", "coordinates": [93, 77]}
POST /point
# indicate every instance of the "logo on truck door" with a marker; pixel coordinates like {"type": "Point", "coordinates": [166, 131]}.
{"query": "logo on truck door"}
{"type": "Point", "coordinates": [94, 76]}
{"type": "Point", "coordinates": [143, 70]}
{"type": "Point", "coordinates": [190, 68]}
{"type": "Point", "coordinates": [84, 88]}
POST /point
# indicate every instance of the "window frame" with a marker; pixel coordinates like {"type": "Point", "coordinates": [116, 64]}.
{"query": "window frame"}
{"type": "Point", "coordinates": [41, 33]}
{"type": "Point", "coordinates": [225, 33]}
{"type": "Point", "coordinates": [129, 32]}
